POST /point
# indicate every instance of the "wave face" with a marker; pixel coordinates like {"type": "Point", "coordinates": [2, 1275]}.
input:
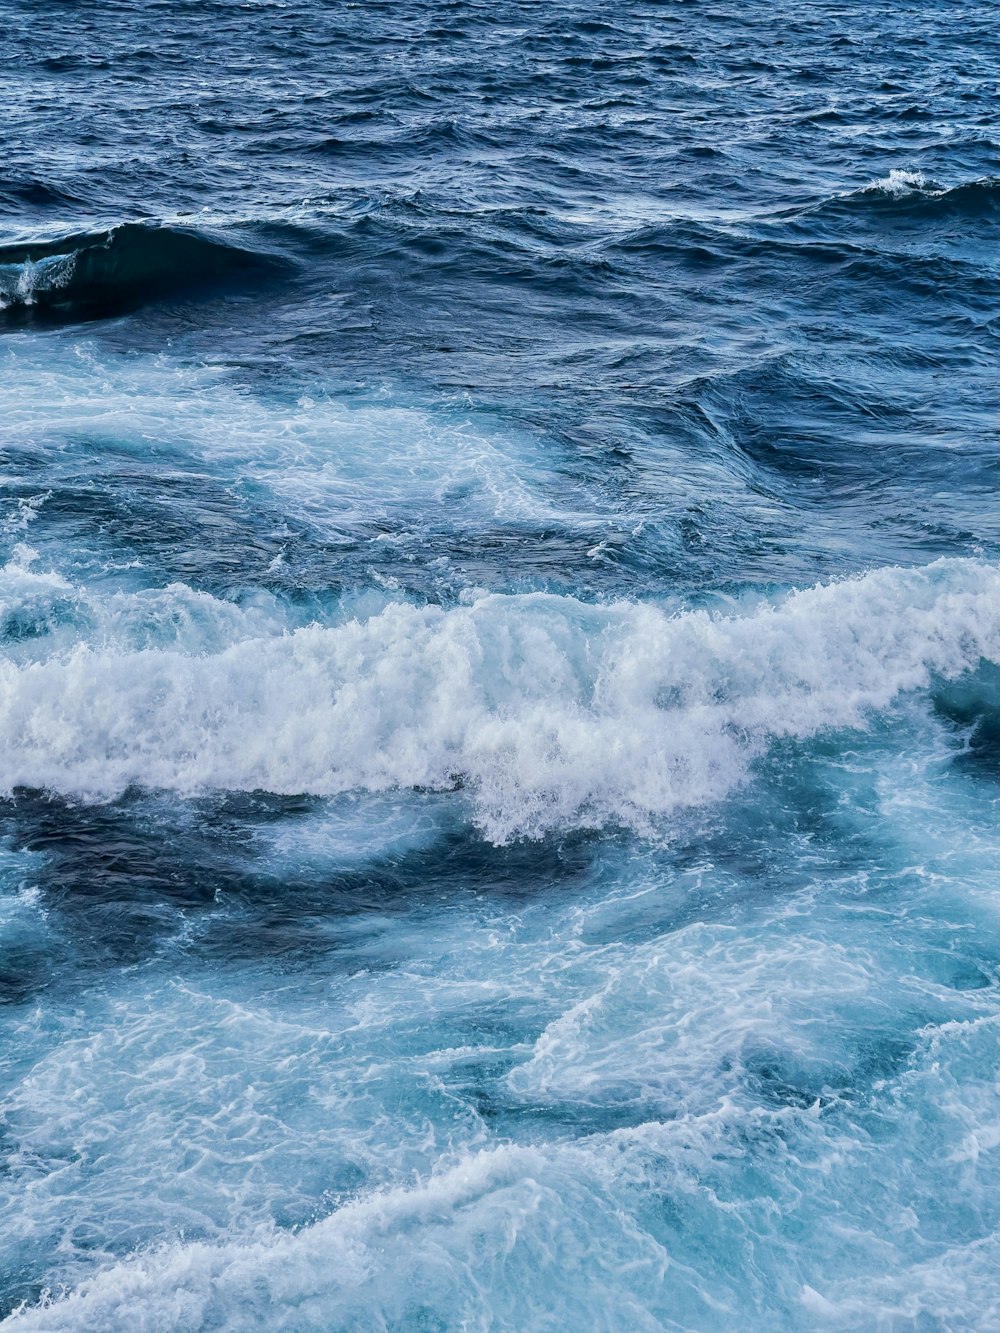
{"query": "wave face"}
{"type": "Point", "coordinates": [499, 668]}
{"type": "Point", "coordinates": [104, 272]}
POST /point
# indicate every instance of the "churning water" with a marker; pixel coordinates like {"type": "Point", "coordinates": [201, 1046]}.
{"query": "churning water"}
{"type": "Point", "coordinates": [499, 667]}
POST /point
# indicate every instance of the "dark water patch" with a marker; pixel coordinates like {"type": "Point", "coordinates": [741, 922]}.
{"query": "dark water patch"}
{"type": "Point", "coordinates": [292, 918]}
{"type": "Point", "coordinates": [26, 970]}
{"type": "Point", "coordinates": [484, 1089]}
{"type": "Point", "coordinates": [23, 1286]}
{"type": "Point", "coordinates": [115, 880]}
{"type": "Point", "coordinates": [777, 1078]}
{"type": "Point", "coordinates": [32, 621]}
{"type": "Point", "coordinates": [182, 525]}
{"type": "Point", "coordinates": [38, 196]}
{"type": "Point", "coordinates": [981, 753]}
{"type": "Point", "coordinates": [125, 882]}
{"type": "Point", "coordinates": [92, 275]}
{"type": "Point", "coordinates": [818, 435]}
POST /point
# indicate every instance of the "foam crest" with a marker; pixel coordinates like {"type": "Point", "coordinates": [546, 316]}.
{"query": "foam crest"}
{"type": "Point", "coordinates": [552, 712]}
{"type": "Point", "coordinates": [909, 187]}
{"type": "Point", "coordinates": [901, 181]}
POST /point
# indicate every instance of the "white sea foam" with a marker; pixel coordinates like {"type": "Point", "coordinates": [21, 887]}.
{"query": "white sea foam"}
{"type": "Point", "coordinates": [459, 1244]}
{"type": "Point", "coordinates": [391, 1260]}
{"type": "Point", "coordinates": [331, 462]}
{"type": "Point", "coordinates": [727, 1053]}
{"type": "Point", "coordinates": [903, 180]}
{"type": "Point", "coordinates": [552, 712]}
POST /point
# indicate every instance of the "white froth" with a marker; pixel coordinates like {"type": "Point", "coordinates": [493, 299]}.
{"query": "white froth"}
{"type": "Point", "coordinates": [904, 180]}
{"type": "Point", "coordinates": [461, 1243]}
{"type": "Point", "coordinates": [551, 711]}
{"type": "Point", "coordinates": [334, 463]}
{"type": "Point", "coordinates": [675, 1138]}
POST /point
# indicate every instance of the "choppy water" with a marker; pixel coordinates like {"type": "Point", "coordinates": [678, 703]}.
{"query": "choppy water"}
{"type": "Point", "coordinates": [500, 677]}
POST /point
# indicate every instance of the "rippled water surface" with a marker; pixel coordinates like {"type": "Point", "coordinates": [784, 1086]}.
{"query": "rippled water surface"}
{"type": "Point", "coordinates": [499, 667]}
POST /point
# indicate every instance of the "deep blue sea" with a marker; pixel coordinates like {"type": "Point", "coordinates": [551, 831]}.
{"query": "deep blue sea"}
{"type": "Point", "coordinates": [499, 666]}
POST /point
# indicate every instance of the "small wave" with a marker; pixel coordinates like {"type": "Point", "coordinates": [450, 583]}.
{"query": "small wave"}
{"type": "Point", "coordinates": [914, 190]}
{"type": "Point", "coordinates": [551, 713]}
{"type": "Point", "coordinates": [100, 272]}
{"type": "Point", "coordinates": [901, 182]}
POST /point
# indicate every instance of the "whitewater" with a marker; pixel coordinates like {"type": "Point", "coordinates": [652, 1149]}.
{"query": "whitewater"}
{"type": "Point", "coordinates": [557, 714]}
{"type": "Point", "coordinates": [499, 668]}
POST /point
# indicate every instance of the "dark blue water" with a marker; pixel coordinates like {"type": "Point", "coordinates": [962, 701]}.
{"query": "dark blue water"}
{"type": "Point", "coordinates": [499, 667]}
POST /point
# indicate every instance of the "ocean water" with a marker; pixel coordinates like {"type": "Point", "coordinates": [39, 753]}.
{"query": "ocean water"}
{"type": "Point", "coordinates": [499, 667]}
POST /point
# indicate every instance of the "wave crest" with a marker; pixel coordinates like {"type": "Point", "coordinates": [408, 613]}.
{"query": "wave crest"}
{"type": "Point", "coordinates": [551, 713]}
{"type": "Point", "coordinates": [913, 190]}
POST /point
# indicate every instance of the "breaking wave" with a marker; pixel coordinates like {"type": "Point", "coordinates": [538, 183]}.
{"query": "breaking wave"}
{"type": "Point", "coordinates": [912, 190]}
{"type": "Point", "coordinates": [553, 713]}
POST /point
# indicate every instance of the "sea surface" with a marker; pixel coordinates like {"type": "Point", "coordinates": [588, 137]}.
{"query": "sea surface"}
{"type": "Point", "coordinates": [499, 666]}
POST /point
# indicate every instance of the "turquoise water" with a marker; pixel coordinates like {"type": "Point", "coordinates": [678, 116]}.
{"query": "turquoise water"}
{"type": "Point", "coordinates": [499, 669]}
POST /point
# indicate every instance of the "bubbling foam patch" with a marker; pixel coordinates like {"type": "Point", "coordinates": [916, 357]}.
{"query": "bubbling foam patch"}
{"type": "Point", "coordinates": [551, 712]}
{"type": "Point", "coordinates": [474, 1235]}
{"type": "Point", "coordinates": [333, 463]}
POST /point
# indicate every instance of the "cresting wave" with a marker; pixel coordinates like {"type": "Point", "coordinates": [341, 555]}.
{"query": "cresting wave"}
{"type": "Point", "coordinates": [94, 273]}
{"type": "Point", "coordinates": [915, 188]}
{"type": "Point", "coordinates": [554, 713]}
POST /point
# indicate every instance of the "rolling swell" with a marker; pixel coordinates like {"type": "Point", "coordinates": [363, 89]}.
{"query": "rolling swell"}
{"type": "Point", "coordinates": [91, 274]}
